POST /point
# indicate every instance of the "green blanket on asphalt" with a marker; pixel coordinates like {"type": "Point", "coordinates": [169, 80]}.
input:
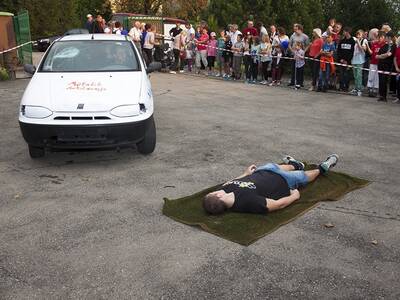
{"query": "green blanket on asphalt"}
{"type": "Point", "coordinates": [247, 228]}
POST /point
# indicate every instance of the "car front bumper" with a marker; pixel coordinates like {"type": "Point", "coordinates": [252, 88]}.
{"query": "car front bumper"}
{"type": "Point", "coordinates": [84, 136]}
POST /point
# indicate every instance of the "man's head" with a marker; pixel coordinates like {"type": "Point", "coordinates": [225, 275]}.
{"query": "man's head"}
{"type": "Point", "coordinates": [235, 27]}
{"type": "Point", "coordinates": [89, 18]}
{"type": "Point", "coordinates": [295, 27]}
{"type": "Point", "coordinates": [213, 202]}
{"type": "Point", "coordinates": [137, 24]}
{"type": "Point", "coordinates": [250, 24]}
{"type": "Point", "coordinates": [338, 27]}
{"type": "Point", "coordinates": [386, 27]}
{"type": "Point", "coordinates": [299, 29]}
{"type": "Point", "coordinates": [178, 24]}
{"type": "Point", "coordinates": [347, 32]}
{"type": "Point", "coordinates": [239, 37]}
{"type": "Point", "coordinates": [272, 28]}
{"type": "Point", "coordinates": [381, 36]}
{"type": "Point", "coordinates": [188, 26]}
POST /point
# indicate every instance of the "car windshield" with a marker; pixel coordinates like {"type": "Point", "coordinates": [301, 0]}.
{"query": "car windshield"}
{"type": "Point", "coordinates": [90, 56]}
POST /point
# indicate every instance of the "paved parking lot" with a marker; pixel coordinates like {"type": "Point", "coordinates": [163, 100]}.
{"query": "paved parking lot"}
{"type": "Point", "coordinates": [89, 224]}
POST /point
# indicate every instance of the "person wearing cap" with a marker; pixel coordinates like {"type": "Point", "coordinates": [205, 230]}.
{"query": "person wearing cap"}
{"type": "Point", "coordinates": [89, 22]}
{"type": "Point", "coordinates": [314, 51]}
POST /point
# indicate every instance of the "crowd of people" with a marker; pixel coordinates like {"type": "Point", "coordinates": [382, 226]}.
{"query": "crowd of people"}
{"type": "Point", "coordinates": [335, 55]}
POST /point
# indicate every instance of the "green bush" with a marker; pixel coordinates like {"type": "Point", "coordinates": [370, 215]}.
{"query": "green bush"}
{"type": "Point", "coordinates": [3, 74]}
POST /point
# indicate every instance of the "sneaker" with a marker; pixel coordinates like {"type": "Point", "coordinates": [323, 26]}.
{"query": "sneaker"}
{"type": "Point", "coordinates": [172, 72]}
{"type": "Point", "coordinates": [254, 82]}
{"type": "Point", "coordinates": [311, 89]}
{"type": "Point", "coordinates": [218, 75]}
{"type": "Point", "coordinates": [397, 100]}
{"type": "Point", "coordinates": [330, 162]}
{"type": "Point", "coordinates": [298, 165]}
{"type": "Point", "coordinates": [278, 83]}
{"type": "Point", "coordinates": [246, 82]}
{"type": "Point", "coordinates": [354, 92]}
{"type": "Point", "coordinates": [181, 71]}
{"type": "Point", "coordinates": [272, 83]}
{"type": "Point", "coordinates": [382, 99]}
{"type": "Point", "coordinates": [297, 86]}
{"type": "Point", "coordinates": [263, 82]}
{"type": "Point", "coordinates": [359, 93]}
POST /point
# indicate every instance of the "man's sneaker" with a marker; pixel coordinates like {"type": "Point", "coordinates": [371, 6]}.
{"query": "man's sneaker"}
{"type": "Point", "coordinates": [330, 162]}
{"type": "Point", "coordinates": [172, 72]}
{"type": "Point", "coordinates": [298, 165]}
{"type": "Point", "coordinates": [396, 100]}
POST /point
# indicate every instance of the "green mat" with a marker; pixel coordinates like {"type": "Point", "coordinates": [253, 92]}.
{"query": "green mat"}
{"type": "Point", "coordinates": [247, 228]}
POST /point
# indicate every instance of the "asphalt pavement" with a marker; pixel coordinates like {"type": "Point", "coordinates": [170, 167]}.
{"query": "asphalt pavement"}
{"type": "Point", "coordinates": [88, 225]}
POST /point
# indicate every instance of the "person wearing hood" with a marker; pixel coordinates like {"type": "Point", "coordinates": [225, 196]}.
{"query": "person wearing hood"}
{"type": "Point", "coordinates": [345, 52]}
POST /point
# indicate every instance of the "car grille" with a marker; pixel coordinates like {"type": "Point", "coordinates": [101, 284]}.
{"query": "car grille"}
{"type": "Point", "coordinates": [88, 118]}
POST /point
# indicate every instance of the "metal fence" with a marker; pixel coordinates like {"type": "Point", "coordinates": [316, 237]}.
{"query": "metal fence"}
{"type": "Point", "coordinates": [23, 35]}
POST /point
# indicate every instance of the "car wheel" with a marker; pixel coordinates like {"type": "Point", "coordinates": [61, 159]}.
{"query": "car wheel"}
{"type": "Point", "coordinates": [36, 152]}
{"type": "Point", "coordinates": [148, 144]}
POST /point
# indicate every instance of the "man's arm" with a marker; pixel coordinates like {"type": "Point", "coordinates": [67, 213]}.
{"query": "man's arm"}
{"type": "Point", "coordinates": [273, 205]}
{"type": "Point", "coordinates": [250, 170]}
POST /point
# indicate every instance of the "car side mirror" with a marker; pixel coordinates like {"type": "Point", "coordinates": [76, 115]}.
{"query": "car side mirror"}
{"type": "Point", "coordinates": [30, 69]}
{"type": "Point", "coordinates": [154, 66]}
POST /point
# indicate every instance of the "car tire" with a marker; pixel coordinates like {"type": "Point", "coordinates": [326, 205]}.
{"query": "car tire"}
{"type": "Point", "coordinates": [148, 144]}
{"type": "Point", "coordinates": [36, 152]}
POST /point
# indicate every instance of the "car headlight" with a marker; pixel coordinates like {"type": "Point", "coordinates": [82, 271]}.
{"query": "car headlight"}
{"type": "Point", "coordinates": [124, 111]}
{"type": "Point", "coordinates": [35, 112]}
{"type": "Point", "coordinates": [44, 41]}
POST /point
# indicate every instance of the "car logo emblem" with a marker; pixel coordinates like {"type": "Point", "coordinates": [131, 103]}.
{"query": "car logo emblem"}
{"type": "Point", "coordinates": [80, 106]}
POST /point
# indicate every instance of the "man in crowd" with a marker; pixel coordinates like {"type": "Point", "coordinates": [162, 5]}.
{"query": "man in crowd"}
{"type": "Point", "coordinates": [297, 37]}
{"type": "Point", "coordinates": [385, 63]}
{"type": "Point", "coordinates": [265, 189]}
{"type": "Point", "coordinates": [135, 33]}
{"type": "Point", "coordinates": [234, 32]}
{"type": "Point", "coordinates": [345, 52]}
{"type": "Point", "coordinates": [250, 29]}
{"type": "Point", "coordinates": [176, 30]}
{"type": "Point", "coordinates": [89, 22]}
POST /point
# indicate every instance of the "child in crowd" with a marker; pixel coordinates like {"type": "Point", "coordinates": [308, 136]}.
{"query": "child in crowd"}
{"type": "Point", "coordinates": [227, 55]}
{"type": "Point", "coordinates": [190, 47]}
{"type": "Point", "coordinates": [358, 61]}
{"type": "Point", "coordinates": [265, 57]}
{"type": "Point", "coordinates": [211, 52]}
{"type": "Point", "coordinates": [299, 64]}
{"type": "Point", "coordinates": [254, 53]}
{"type": "Point", "coordinates": [377, 41]}
{"type": "Point", "coordinates": [327, 66]}
{"type": "Point", "coordinates": [276, 66]}
{"type": "Point", "coordinates": [220, 58]}
{"type": "Point", "coordinates": [247, 57]}
{"type": "Point", "coordinates": [237, 57]}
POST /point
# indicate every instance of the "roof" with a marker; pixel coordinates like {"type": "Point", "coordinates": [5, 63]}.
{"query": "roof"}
{"type": "Point", "coordinates": [98, 37]}
{"type": "Point", "coordinates": [6, 14]}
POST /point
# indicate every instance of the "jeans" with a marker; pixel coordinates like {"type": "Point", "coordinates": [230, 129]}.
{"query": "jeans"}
{"type": "Point", "coordinates": [148, 55]}
{"type": "Point", "coordinates": [237, 66]}
{"type": "Point", "coordinates": [299, 79]}
{"type": "Point", "coordinates": [254, 70]}
{"type": "Point", "coordinates": [265, 65]}
{"type": "Point", "coordinates": [315, 72]}
{"type": "Point", "coordinates": [247, 62]}
{"type": "Point", "coordinates": [201, 57]}
{"type": "Point", "coordinates": [323, 81]}
{"type": "Point", "coordinates": [344, 78]}
{"type": "Point", "coordinates": [294, 179]}
{"type": "Point", "coordinates": [358, 76]}
{"type": "Point", "coordinates": [178, 65]}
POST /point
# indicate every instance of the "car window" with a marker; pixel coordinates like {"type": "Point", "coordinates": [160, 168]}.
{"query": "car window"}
{"type": "Point", "coordinates": [90, 56]}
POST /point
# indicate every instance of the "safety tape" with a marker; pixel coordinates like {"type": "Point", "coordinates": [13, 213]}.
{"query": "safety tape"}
{"type": "Point", "coordinates": [15, 48]}
{"type": "Point", "coordinates": [306, 58]}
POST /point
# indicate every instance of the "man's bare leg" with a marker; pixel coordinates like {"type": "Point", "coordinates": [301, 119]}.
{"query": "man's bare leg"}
{"type": "Point", "coordinates": [312, 174]}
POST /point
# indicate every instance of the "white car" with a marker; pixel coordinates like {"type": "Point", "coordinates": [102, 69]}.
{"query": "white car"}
{"type": "Point", "coordinates": [89, 91]}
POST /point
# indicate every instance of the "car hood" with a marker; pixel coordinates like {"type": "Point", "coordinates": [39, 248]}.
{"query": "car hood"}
{"type": "Point", "coordinates": [91, 92]}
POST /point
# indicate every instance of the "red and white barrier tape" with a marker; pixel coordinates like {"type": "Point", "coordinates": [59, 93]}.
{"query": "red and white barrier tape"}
{"type": "Point", "coordinates": [15, 48]}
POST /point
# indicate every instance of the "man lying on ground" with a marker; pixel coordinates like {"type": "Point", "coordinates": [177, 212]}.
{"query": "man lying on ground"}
{"type": "Point", "coordinates": [266, 188]}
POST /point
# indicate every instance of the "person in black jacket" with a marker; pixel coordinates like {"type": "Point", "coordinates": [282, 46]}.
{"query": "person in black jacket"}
{"type": "Point", "coordinates": [385, 63]}
{"type": "Point", "coordinates": [345, 53]}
